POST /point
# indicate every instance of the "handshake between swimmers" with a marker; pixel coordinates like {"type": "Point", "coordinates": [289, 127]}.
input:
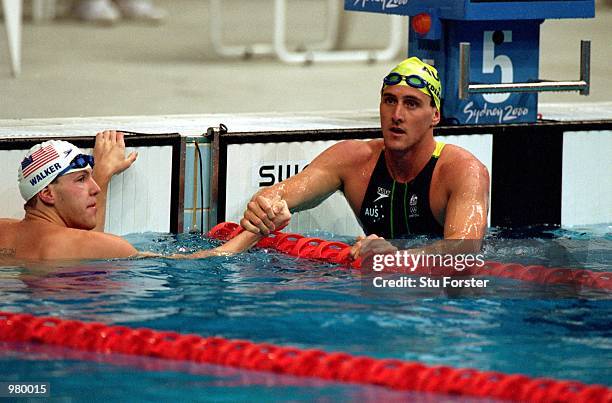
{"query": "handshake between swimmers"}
{"type": "Point", "coordinates": [404, 184]}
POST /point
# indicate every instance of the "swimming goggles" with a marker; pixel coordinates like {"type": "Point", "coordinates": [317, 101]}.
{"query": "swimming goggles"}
{"type": "Point", "coordinates": [412, 80]}
{"type": "Point", "coordinates": [79, 162]}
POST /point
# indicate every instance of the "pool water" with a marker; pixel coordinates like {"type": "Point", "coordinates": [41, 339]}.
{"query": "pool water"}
{"type": "Point", "coordinates": [263, 296]}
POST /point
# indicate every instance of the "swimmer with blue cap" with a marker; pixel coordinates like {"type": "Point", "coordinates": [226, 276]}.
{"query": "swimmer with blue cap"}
{"type": "Point", "coordinates": [401, 185]}
{"type": "Point", "coordinates": [65, 194]}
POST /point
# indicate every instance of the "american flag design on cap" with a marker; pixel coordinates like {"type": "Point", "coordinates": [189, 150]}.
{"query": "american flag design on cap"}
{"type": "Point", "coordinates": [38, 159]}
{"type": "Point", "coordinates": [41, 165]}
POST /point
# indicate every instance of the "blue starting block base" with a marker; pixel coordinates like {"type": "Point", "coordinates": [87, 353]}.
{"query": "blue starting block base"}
{"type": "Point", "coordinates": [502, 52]}
{"type": "Point", "coordinates": [504, 39]}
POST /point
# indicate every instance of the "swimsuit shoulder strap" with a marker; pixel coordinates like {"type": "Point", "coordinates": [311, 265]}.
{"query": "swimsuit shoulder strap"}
{"type": "Point", "coordinates": [438, 150]}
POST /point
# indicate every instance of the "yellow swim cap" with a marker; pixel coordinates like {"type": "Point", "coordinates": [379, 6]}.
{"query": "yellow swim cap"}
{"type": "Point", "coordinates": [427, 80]}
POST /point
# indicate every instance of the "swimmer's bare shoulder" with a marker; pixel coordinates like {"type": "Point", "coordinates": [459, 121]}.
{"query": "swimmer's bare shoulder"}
{"type": "Point", "coordinates": [333, 169]}
{"type": "Point", "coordinates": [355, 150]}
{"type": "Point", "coordinates": [457, 163]}
{"type": "Point", "coordinates": [339, 165]}
{"type": "Point", "coordinates": [73, 243]}
{"type": "Point", "coordinates": [453, 152]}
{"type": "Point", "coordinates": [6, 226]}
{"type": "Point", "coordinates": [346, 156]}
{"type": "Point", "coordinates": [8, 220]}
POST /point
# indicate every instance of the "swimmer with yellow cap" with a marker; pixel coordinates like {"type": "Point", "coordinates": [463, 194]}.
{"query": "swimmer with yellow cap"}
{"type": "Point", "coordinates": [403, 184]}
{"type": "Point", "coordinates": [415, 73]}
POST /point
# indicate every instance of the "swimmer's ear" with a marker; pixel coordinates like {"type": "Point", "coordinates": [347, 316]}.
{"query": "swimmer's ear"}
{"type": "Point", "coordinates": [46, 196]}
{"type": "Point", "coordinates": [436, 117]}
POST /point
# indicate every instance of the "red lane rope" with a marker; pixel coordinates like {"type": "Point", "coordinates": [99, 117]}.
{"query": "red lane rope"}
{"type": "Point", "coordinates": [395, 374]}
{"type": "Point", "coordinates": [338, 252]}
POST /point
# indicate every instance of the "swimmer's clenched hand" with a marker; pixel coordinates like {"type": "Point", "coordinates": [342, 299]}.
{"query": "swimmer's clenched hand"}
{"type": "Point", "coordinates": [109, 154]}
{"type": "Point", "coordinates": [282, 215]}
{"type": "Point", "coordinates": [258, 215]}
{"type": "Point", "coordinates": [280, 218]}
{"type": "Point", "coordinates": [371, 245]}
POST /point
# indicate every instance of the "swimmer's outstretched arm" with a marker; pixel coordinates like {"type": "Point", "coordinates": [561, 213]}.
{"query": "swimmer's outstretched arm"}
{"type": "Point", "coordinates": [242, 241]}
{"type": "Point", "coordinates": [239, 243]}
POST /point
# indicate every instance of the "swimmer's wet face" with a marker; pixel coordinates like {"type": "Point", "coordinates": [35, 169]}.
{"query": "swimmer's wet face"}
{"type": "Point", "coordinates": [406, 117]}
{"type": "Point", "coordinates": [74, 197]}
{"type": "Point", "coordinates": [409, 104]}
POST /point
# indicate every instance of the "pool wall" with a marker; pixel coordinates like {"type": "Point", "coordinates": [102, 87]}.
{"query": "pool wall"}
{"type": "Point", "coordinates": [146, 197]}
{"type": "Point", "coordinates": [552, 172]}
{"type": "Point", "coordinates": [555, 173]}
{"type": "Point", "coordinates": [586, 196]}
{"type": "Point", "coordinates": [263, 164]}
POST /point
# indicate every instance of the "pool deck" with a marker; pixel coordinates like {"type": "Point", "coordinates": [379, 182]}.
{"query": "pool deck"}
{"type": "Point", "coordinates": [196, 125]}
{"type": "Point", "coordinates": [71, 69]}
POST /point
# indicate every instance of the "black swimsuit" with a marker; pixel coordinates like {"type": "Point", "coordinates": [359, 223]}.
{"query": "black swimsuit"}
{"type": "Point", "coordinates": [395, 210]}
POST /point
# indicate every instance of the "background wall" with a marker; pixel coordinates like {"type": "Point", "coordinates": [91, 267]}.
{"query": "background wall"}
{"type": "Point", "coordinates": [75, 69]}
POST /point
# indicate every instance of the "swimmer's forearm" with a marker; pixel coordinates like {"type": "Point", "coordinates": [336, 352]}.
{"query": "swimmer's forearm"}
{"type": "Point", "coordinates": [274, 192]}
{"type": "Point", "coordinates": [196, 255]}
{"type": "Point", "coordinates": [241, 242]}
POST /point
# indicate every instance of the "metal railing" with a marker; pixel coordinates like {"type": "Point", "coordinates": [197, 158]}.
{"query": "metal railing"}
{"type": "Point", "coordinates": [466, 87]}
{"type": "Point", "coordinates": [316, 52]}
